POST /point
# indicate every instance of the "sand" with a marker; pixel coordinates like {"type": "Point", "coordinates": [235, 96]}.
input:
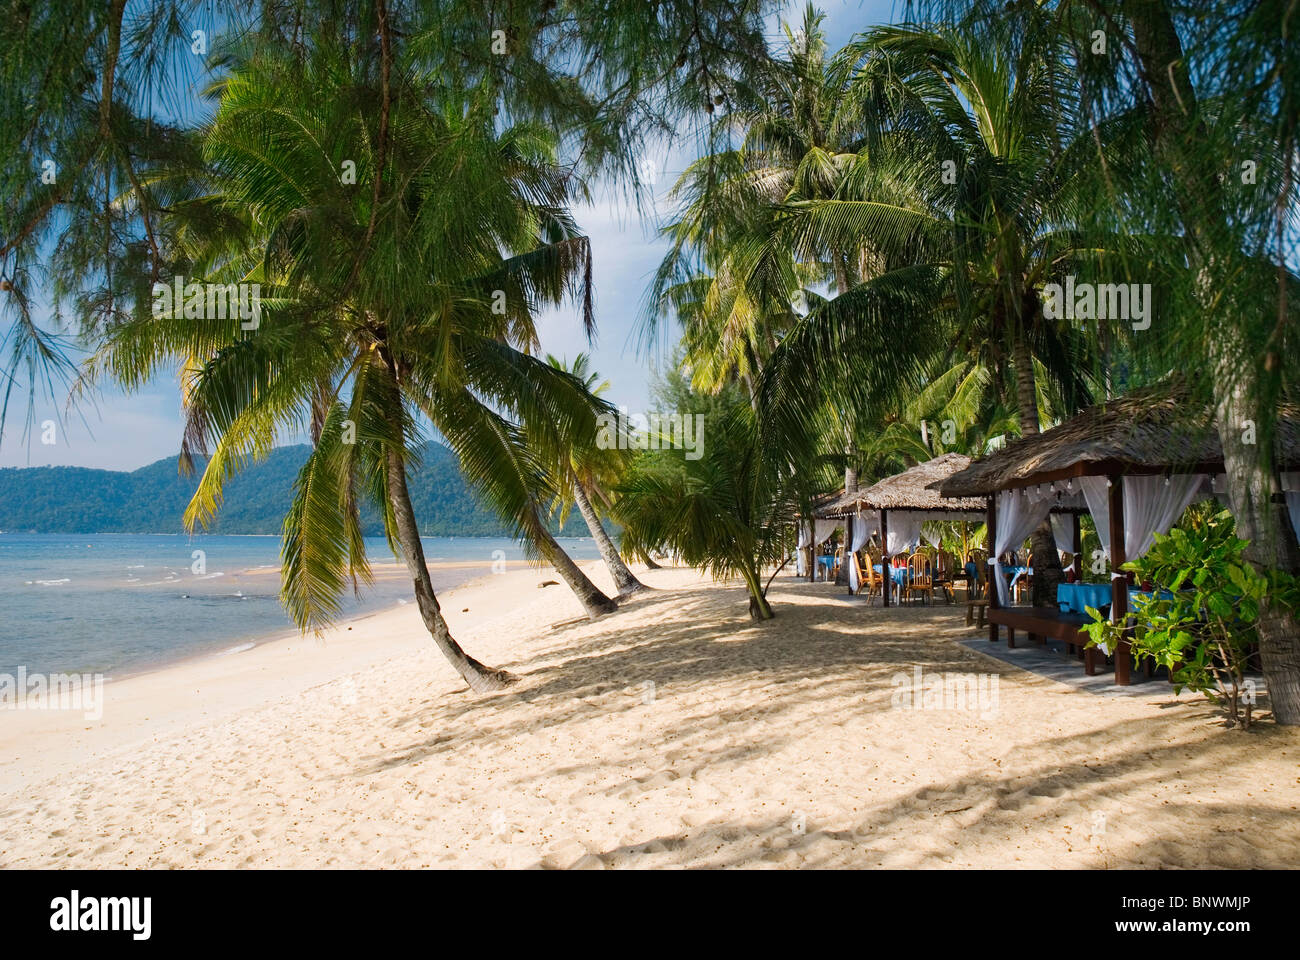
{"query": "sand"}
{"type": "Point", "coordinates": [673, 733]}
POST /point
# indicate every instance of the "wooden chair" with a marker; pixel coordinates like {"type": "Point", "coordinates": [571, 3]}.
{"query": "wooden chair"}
{"type": "Point", "coordinates": [867, 579]}
{"type": "Point", "coordinates": [946, 574]}
{"type": "Point", "coordinates": [920, 578]}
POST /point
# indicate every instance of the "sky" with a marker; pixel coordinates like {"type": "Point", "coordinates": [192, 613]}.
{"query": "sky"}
{"type": "Point", "coordinates": [118, 432]}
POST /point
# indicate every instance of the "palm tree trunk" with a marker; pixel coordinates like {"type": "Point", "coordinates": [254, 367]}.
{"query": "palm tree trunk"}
{"type": "Point", "coordinates": [624, 579]}
{"type": "Point", "coordinates": [1026, 388]}
{"type": "Point", "coordinates": [1047, 562]}
{"type": "Point", "coordinates": [593, 601]}
{"type": "Point", "coordinates": [481, 679]}
{"type": "Point", "coordinates": [1238, 378]}
{"type": "Point", "coordinates": [759, 608]}
{"type": "Point", "coordinates": [1272, 545]}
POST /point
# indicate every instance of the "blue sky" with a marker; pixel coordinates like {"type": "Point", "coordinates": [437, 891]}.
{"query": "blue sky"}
{"type": "Point", "coordinates": [125, 432]}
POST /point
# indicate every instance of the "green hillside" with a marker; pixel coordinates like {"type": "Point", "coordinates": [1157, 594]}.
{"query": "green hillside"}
{"type": "Point", "coordinates": [153, 498]}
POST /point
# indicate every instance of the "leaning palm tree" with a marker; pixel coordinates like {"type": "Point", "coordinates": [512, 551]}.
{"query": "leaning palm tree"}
{"type": "Point", "coordinates": [584, 470]}
{"type": "Point", "coordinates": [393, 301]}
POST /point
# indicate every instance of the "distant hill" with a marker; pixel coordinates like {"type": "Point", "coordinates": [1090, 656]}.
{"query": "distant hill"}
{"type": "Point", "coordinates": [153, 498]}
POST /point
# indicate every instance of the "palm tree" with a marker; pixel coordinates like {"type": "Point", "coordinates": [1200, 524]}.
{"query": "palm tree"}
{"type": "Point", "coordinates": [404, 297]}
{"type": "Point", "coordinates": [967, 187]}
{"type": "Point", "coordinates": [582, 470]}
{"type": "Point", "coordinates": [734, 292]}
{"type": "Point", "coordinates": [723, 512]}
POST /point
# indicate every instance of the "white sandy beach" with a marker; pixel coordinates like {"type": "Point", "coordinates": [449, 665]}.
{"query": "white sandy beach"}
{"type": "Point", "coordinates": [672, 733]}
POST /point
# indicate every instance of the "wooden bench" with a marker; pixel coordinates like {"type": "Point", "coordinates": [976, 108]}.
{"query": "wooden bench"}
{"type": "Point", "coordinates": [974, 607]}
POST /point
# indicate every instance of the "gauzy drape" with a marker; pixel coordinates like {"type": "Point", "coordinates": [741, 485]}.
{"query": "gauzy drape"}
{"type": "Point", "coordinates": [1018, 517]}
{"type": "Point", "coordinates": [1063, 531]}
{"type": "Point", "coordinates": [861, 533]}
{"type": "Point", "coordinates": [824, 529]}
{"type": "Point", "coordinates": [1152, 505]}
{"type": "Point", "coordinates": [805, 541]}
{"type": "Point", "coordinates": [904, 531]}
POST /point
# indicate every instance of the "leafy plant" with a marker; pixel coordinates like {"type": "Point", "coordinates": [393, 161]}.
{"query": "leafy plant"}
{"type": "Point", "coordinates": [1199, 621]}
{"type": "Point", "coordinates": [723, 512]}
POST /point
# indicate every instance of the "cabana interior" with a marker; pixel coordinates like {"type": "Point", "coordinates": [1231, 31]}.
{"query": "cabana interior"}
{"type": "Point", "coordinates": [895, 510]}
{"type": "Point", "coordinates": [1137, 463]}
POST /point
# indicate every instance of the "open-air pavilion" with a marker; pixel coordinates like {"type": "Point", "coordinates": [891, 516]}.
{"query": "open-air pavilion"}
{"type": "Point", "coordinates": [897, 508]}
{"type": "Point", "coordinates": [1138, 461]}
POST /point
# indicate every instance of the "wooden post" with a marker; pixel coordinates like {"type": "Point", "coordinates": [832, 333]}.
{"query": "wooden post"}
{"type": "Point", "coordinates": [1118, 582]}
{"type": "Point", "coordinates": [991, 542]}
{"type": "Point", "coordinates": [887, 584]}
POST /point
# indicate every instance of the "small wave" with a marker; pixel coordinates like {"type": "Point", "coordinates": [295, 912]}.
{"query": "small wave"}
{"type": "Point", "coordinates": [237, 649]}
{"type": "Point", "coordinates": [51, 583]}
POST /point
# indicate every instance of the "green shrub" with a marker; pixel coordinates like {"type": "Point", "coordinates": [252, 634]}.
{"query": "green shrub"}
{"type": "Point", "coordinates": [1202, 631]}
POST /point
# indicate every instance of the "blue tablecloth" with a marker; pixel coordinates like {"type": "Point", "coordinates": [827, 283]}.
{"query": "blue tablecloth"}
{"type": "Point", "coordinates": [1016, 572]}
{"type": "Point", "coordinates": [897, 574]}
{"type": "Point", "coordinates": [828, 561]}
{"type": "Point", "coordinates": [1077, 597]}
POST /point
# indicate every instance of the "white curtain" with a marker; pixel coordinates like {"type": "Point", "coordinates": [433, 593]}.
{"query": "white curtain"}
{"type": "Point", "coordinates": [1018, 517]}
{"type": "Point", "coordinates": [1291, 490]}
{"type": "Point", "coordinates": [933, 534]}
{"type": "Point", "coordinates": [1152, 505]}
{"type": "Point", "coordinates": [904, 531]}
{"type": "Point", "coordinates": [1097, 493]}
{"type": "Point", "coordinates": [861, 533]}
{"type": "Point", "coordinates": [805, 541]}
{"type": "Point", "coordinates": [1063, 531]}
{"type": "Point", "coordinates": [823, 529]}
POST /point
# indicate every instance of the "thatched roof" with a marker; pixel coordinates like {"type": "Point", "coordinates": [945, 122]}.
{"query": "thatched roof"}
{"type": "Point", "coordinates": [1156, 430]}
{"type": "Point", "coordinates": [909, 490]}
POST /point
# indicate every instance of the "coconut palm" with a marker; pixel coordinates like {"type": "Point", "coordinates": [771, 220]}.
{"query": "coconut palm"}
{"type": "Point", "coordinates": [400, 300]}
{"type": "Point", "coordinates": [581, 472]}
{"type": "Point", "coordinates": [722, 512]}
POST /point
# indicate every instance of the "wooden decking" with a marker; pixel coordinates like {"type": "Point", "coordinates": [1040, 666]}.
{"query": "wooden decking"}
{"type": "Point", "coordinates": [1041, 622]}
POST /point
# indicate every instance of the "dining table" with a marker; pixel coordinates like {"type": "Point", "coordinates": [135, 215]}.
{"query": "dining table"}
{"type": "Point", "coordinates": [1078, 597]}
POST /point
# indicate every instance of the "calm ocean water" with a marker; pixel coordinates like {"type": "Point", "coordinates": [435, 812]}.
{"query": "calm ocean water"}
{"type": "Point", "coordinates": [117, 604]}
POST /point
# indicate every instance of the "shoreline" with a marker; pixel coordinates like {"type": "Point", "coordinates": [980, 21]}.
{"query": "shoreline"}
{"type": "Point", "coordinates": [204, 686]}
{"type": "Point", "coordinates": [290, 632]}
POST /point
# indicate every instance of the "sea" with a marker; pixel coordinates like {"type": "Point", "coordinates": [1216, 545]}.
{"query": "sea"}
{"type": "Point", "coordinates": [120, 604]}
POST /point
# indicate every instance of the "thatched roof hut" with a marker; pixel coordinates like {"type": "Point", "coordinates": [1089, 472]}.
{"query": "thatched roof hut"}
{"type": "Point", "coordinates": [909, 490]}
{"type": "Point", "coordinates": [1156, 430]}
